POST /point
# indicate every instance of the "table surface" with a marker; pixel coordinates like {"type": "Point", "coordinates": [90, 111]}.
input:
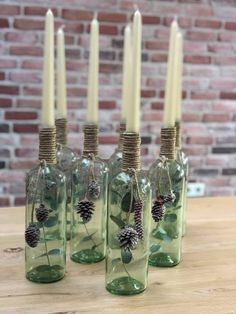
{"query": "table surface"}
{"type": "Point", "coordinates": [203, 283]}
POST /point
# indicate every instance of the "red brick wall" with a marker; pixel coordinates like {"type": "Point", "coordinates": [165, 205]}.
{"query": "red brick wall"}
{"type": "Point", "coordinates": [209, 116]}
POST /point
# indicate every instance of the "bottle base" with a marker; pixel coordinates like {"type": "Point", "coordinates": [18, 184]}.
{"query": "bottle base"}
{"type": "Point", "coordinates": [125, 286]}
{"type": "Point", "coordinates": [163, 260]}
{"type": "Point", "coordinates": [87, 256]}
{"type": "Point", "coordinates": [45, 274]}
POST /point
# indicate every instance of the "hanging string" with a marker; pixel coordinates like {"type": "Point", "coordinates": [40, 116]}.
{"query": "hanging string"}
{"type": "Point", "coordinates": [178, 134]}
{"type": "Point", "coordinates": [61, 130]}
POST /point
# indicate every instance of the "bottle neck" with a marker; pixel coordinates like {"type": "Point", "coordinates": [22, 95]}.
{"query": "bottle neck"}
{"type": "Point", "coordinates": [168, 139]}
{"type": "Point", "coordinates": [47, 145]}
{"type": "Point", "coordinates": [131, 151]}
{"type": "Point", "coordinates": [90, 140]}
{"type": "Point", "coordinates": [61, 130]}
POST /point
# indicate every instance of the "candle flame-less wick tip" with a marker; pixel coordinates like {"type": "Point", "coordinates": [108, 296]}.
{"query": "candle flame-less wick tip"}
{"type": "Point", "coordinates": [49, 11]}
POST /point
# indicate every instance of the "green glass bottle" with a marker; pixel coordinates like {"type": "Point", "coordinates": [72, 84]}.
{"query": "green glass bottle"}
{"type": "Point", "coordinates": [129, 198]}
{"type": "Point", "coordinates": [45, 250]}
{"type": "Point", "coordinates": [88, 220]}
{"type": "Point", "coordinates": [66, 160]}
{"type": "Point", "coordinates": [167, 181]}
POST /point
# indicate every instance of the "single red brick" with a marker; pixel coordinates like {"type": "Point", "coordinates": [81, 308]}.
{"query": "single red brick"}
{"type": "Point", "coordinates": [103, 104]}
{"type": "Point", "coordinates": [109, 68]}
{"type": "Point", "coordinates": [5, 102]}
{"type": "Point", "coordinates": [77, 92]}
{"type": "Point", "coordinates": [208, 24]}
{"type": "Point", "coordinates": [22, 77]}
{"type": "Point", "coordinates": [191, 117]}
{"type": "Point", "coordinates": [27, 24]}
{"type": "Point", "coordinates": [223, 84]}
{"type": "Point", "coordinates": [196, 150]}
{"type": "Point", "coordinates": [214, 117]}
{"type": "Point", "coordinates": [148, 93]}
{"type": "Point", "coordinates": [39, 11]}
{"type": "Point", "coordinates": [69, 40]}
{"type": "Point", "coordinates": [112, 17]}
{"type": "Point", "coordinates": [224, 106]}
{"type": "Point", "coordinates": [25, 128]}
{"type": "Point", "coordinates": [152, 116]}
{"type": "Point", "coordinates": [9, 89]}
{"type": "Point", "coordinates": [21, 37]}
{"type": "Point", "coordinates": [156, 82]}
{"type": "Point", "coordinates": [202, 140]}
{"type": "Point", "coordinates": [19, 201]}
{"type": "Point", "coordinates": [199, 10]}
{"type": "Point", "coordinates": [73, 27]}
{"type": "Point", "coordinates": [224, 60]}
{"type": "Point", "coordinates": [73, 53]}
{"type": "Point", "coordinates": [228, 95]}
{"type": "Point", "coordinates": [4, 23]}
{"type": "Point", "coordinates": [22, 164]}
{"type": "Point", "coordinates": [157, 105]}
{"type": "Point", "coordinates": [28, 103]}
{"type": "Point", "coordinates": [151, 19]}
{"type": "Point", "coordinates": [206, 95]}
{"type": "Point", "coordinates": [77, 14]}
{"type": "Point", "coordinates": [6, 9]}
{"type": "Point", "coordinates": [7, 64]}
{"type": "Point", "coordinates": [201, 36]}
{"type": "Point", "coordinates": [157, 57]}
{"type": "Point", "coordinates": [220, 47]}
{"type": "Point", "coordinates": [26, 50]}
{"type": "Point", "coordinates": [32, 64]}
{"type": "Point", "coordinates": [108, 29]}
{"type": "Point", "coordinates": [193, 46]}
{"type": "Point", "coordinates": [227, 36]}
{"type": "Point", "coordinates": [32, 91]}
{"type": "Point", "coordinates": [4, 201]}
{"type": "Point", "coordinates": [156, 45]}
{"type": "Point", "coordinates": [230, 26]}
{"type": "Point", "coordinates": [108, 139]}
{"type": "Point", "coordinates": [197, 59]}
{"type": "Point", "coordinates": [20, 115]}
{"type": "Point", "coordinates": [2, 76]}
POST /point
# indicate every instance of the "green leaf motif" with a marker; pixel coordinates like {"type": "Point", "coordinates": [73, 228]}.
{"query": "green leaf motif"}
{"type": "Point", "coordinates": [120, 223]}
{"type": "Point", "coordinates": [52, 221]}
{"type": "Point", "coordinates": [88, 237]}
{"type": "Point", "coordinates": [126, 256]}
{"type": "Point", "coordinates": [115, 261]}
{"type": "Point", "coordinates": [161, 234]}
{"type": "Point", "coordinates": [96, 245]}
{"type": "Point", "coordinates": [54, 252]}
{"type": "Point", "coordinates": [154, 248]}
{"type": "Point", "coordinates": [170, 217]}
{"type": "Point", "coordinates": [125, 203]}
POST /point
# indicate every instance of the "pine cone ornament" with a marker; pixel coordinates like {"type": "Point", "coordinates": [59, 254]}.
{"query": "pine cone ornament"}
{"type": "Point", "coordinates": [85, 209]}
{"type": "Point", "coordinates": [170, 197]}
{"type": "Point", "coordinates": [42, 213]}
{"type": "Point", "coordinates": [32, 235]}
{"type": "Point", "coordinates": [138, 207]}
{"type": "Point", "coordinates": [158, 210]}
{"type": "Point", "coordinates": [128, 238]}
{"type": "Point", "coordinates": [94, 189]}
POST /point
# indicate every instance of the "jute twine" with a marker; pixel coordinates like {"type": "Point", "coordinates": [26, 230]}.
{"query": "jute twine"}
{"type": "Point", "coordinates": [61, 130]}
{"type": "Point", "coordinates": [122, 130]}
{"type": "Point", "coordinates": [90, 140]}
{"type": "Point", "coordinates": [168, 138]}
{"type": "Point", "coordinates": [178, 134]}
{"type": "Point", "coordinates": [47, 145]}
{"type": "Point", "coordinates": [131, 151]}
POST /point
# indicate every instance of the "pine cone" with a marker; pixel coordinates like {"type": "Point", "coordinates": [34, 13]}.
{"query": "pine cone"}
{"type": "Point", "coordinates": [94, 189]}
{"type": "Point", "coordinates": [170, 197]}
{"type": "Point", "coordinates": [42, 213]}
{"type": "Point", "coordinates": [128, 238]}
{"type": "Point", "coordinates": [138, 207]}
{"type": "Point", "coordinates": [85, 209]}
{"type": "Point", "coordinates": [32, 235]}
{"type": "Point", "coordinates": [158, 210]}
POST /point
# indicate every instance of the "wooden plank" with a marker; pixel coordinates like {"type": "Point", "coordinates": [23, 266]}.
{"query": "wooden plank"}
{"type": "Point", "coordinates": [203, 283]}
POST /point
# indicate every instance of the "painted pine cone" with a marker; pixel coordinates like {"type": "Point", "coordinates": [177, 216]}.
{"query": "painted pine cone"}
{"type": "Point", "coordinates": [158, 210]}
{"type": "Point", "coordinates": [94, 189]}
{"type": "Point", "coordinates": [138, 208]}
{"type": "Point", "coordinates": [170, 197]}
{"type": "Point", "coordinates": [128, 238]}
{"type": "Point", "coordinates": [32, 235]}
{"type": "Point", "coordinates": [85, 209]}
{"type": "Point", "coordinates": [42, 213]}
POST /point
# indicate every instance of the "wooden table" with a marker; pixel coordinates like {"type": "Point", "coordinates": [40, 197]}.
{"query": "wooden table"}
{"type": "Point", "coordinates": [204, 282]}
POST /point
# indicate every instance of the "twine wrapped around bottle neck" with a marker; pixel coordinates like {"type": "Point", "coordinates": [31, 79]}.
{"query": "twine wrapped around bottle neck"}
{"type": "Point", "coordinates": [131, 150]}
{"type": "Point", "coordinates": [61, 130]}
{"type": "Point", "coordinates": [122, 130]}
{"type": "Point", "coordinates": [178, 134]}
{"type": "Point", "coordinates": [90, 140]}
{"type": "Point", "coordinates": [168, 138]}
{"type": "Point", "coordinates": [47, 145]}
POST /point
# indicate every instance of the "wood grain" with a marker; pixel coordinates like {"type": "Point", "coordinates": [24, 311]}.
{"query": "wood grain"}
{"type": "Point", "coordinates": [204, 282]}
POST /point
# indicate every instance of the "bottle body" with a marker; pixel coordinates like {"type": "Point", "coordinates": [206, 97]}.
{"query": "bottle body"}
{"type": "Point", "coordinates": [66, 160]}
{"type": "Point", "coordinates": [166, 235]}
{"type": "Point", "coordinates": [126, 267]}
{"type": "Point", "coordinates": [45, 251]}
{"type": "Point", "coordinates": [184, 162]}
{"type": "Point", "coordinates": [88, 219]}
{"type": "Point", "coordinates": [114, 164]}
